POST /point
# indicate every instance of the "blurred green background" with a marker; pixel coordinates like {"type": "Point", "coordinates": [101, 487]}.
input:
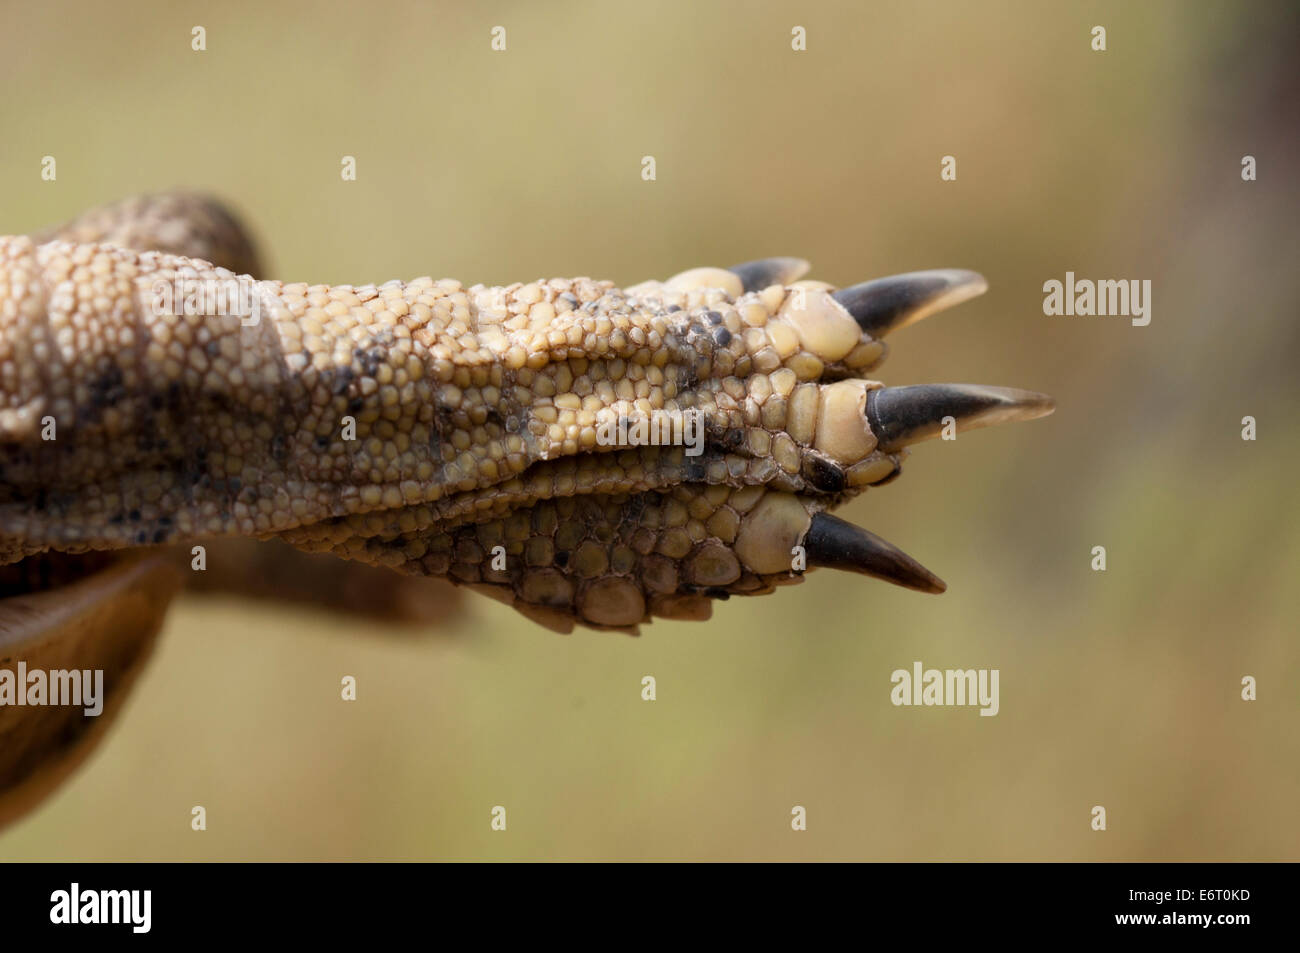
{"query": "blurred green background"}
{"type": "Point", "coordinates": [1118, 688]}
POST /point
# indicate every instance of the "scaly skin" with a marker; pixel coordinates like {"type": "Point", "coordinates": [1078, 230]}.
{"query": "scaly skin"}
{"type": "Point", "coordinates": [419, 425]}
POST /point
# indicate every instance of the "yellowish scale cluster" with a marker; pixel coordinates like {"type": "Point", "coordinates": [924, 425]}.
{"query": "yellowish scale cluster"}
{"type": "Point", "coordinates": [426, 426]}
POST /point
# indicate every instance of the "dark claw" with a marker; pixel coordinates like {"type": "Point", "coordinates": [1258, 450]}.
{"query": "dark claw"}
{"type": "Point", "coordinates": [832, 543]}
{"type": "Point", "coordinates": [888, 304]}
{"type": "Point", "coordinates": [757, 275]}
{"type": "Point", "coordinates": [823, 475]}
{"type": "Point", "coordinates": [900, 416]}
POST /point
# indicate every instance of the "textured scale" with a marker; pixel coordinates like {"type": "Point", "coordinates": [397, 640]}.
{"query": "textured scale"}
{"type": "Point", "coordinates": [474, 414]}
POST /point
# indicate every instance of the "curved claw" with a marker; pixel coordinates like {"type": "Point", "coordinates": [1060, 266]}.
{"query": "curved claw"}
{"type": "Point", "coordinates": [900, 416]}
{"type": "Point", "coordinates": [833, 543]}
{"type": "Point", "coordinates": [759, 274]}
{"type": "Point", "coordinates": [887, 304]}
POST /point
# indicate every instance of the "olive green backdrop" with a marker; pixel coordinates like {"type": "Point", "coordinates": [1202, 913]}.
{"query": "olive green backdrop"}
{"type": "Point", "coordinates": [1118, 688]}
